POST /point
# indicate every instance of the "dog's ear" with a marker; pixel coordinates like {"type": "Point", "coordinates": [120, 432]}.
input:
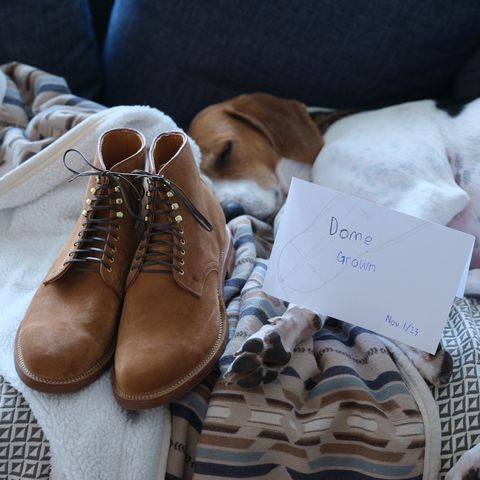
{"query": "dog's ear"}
{"type": "Point", "coordinates": [324, 119]}
{"type": "Point", "coordinates": [285, 123]}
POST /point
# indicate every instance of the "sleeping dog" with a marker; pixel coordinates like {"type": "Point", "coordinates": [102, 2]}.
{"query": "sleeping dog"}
{"type": "Point", "coordinates": [416, 157]}
{"type": "Point", "coordinates": [243, 143]}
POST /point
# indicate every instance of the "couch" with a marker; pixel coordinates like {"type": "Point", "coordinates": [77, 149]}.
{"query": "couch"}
{"type": "Point", "coordinates": [181, 56]}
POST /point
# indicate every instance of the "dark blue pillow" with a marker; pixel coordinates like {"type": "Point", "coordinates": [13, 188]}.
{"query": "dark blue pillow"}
{"type": "Point", "coordinates": [55, 36]}
{"type": "Point", "coordinates": [182, 55]}
{"type": "Point", "coordinates": [467, 80]}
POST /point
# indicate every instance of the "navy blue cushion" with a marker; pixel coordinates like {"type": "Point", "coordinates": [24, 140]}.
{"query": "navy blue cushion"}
{"type": "Point", "coordinates": [54, 36]}
{"type": "Point", "coordinates": [181, 55]}
{"type": "Point", "coordinates": [467, 80]}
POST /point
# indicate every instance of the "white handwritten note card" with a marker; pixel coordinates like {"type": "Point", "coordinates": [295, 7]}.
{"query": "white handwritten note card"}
{"type": "Point", "coordinates": [357, 261]}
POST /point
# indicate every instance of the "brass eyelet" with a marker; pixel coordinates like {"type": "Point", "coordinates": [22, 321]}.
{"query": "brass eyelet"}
{"type": "Point", "coordinates": [182, 251]}
{"type": "Point", "coordinates": [93, 190]}
{"type": "Point", "coordinates": [119, 214]}
{"type": "Point", "coordinates": [109, 269]}
{"type": "Point", "coordinates": [113, 248]}
{"type": "Point", "coordinates": [88, 201]}
{"type": "Point", "coordinates": [178, 218]}
{"type": "Point", "coordinates": [117, 188]}
{"type": "Point", "coordinates": [181, 232]}
{"type": "Point", "coordinates": [115, 238]}
{"type": "Point", "coordinates": [181, 271]}
{"type": "Point", "coordinates": [119, 201]}
{"type": "Point", "coordinates": [70, 254]}
{"type": "Point", "coordinates": [111, 259]}
{"type": "Point", "coordinates": [170, 194]}
{"type": "Point", "coordinates": [174, 206]}
{"type": "Point", "coordinates": [182, 262]}
{"type": "Point", "coordinates": [182, 241]}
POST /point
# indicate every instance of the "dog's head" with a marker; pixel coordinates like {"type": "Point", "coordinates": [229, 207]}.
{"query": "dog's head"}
{"type": "Point", "coordinates": [242, 141]}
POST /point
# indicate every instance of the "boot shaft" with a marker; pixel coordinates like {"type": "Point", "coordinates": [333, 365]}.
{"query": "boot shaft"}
{"type": "Point", "coordinates": [197, 225]}
{"type": "Point", "coordinates": [106, 233]}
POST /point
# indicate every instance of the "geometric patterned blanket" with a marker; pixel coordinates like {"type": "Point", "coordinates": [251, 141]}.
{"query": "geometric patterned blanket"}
{"type": "Point", "coordinates": [24, 450]}
{"type": "Point", "coordinates": [459, 400]}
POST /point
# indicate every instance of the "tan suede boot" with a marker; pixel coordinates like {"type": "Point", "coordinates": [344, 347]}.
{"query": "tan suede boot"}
{"type": "Point", "coordinates": [173, 325]}
{"type": "Point", "coordinates": [67, 337]}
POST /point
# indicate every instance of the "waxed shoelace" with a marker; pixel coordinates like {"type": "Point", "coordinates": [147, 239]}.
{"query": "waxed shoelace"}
{"type": "Point", "coordinates": [163, 194]}
{"type": "Point", "coordinates": [93, 246]}
{"type": "Point", "coordinates": [169, 230]}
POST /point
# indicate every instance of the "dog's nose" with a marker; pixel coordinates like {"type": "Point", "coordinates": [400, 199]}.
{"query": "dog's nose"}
{"type": "Point", "coordinates": [232, 210]}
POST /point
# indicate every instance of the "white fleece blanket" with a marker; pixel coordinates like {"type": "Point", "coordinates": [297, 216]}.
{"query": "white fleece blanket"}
{"type": "Point", "coordinates": [90, 436]}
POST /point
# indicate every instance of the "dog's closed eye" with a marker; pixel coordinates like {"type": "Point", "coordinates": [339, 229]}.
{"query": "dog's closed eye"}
{"type": "Point", "coordinates": [223, 158]}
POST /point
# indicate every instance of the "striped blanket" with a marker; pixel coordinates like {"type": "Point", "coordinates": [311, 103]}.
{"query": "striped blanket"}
{"type": "Point", "coordinates": [349, 404]}
{"type": "Point", "coordinates": [36, 108]}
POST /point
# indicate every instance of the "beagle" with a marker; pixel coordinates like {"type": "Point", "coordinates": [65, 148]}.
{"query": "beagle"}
{"type": "Point", "coordinates": [421, 158]}
{"type": "Point", "coordinates": [243, 142]}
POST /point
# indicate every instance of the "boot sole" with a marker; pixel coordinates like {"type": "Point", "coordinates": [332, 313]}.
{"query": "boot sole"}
{"type": "Point", "coordinates": [48, 385]}
{"type": "Point", "coordinates": [169, 394]}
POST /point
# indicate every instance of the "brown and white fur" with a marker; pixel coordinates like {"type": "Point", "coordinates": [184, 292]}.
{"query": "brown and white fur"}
{"type": "Point", "coordinates": [243, 142]}
{"type": "Point", "coordinates": [251, 147]}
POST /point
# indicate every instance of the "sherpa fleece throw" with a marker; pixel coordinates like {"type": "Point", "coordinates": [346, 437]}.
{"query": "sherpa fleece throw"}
{"type": "Point", "coordinates": [90, 436]}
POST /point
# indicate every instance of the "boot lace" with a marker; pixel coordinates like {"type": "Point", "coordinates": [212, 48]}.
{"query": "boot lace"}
{"type": "Point", "coordinates": [164, 229]}
{"type": "Point", "coordinates": [101, 214]}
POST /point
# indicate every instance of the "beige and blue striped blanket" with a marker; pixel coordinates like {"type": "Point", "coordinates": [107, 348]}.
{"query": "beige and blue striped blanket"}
{"type": "Point", "coordinates": [341, 409]}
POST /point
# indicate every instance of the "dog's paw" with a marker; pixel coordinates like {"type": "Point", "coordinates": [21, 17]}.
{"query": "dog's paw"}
{"type": "Point", "coordinates": [267, 351]}
{"type": "Point", "coordinates": [472, 474]}
{"type": "Point", "coordinates": [468, 467]}
{"type": "Point", "coordinates": [473, 283]}
{"type": "Point", "coordinates": [259, 359]}
{"type": "Point", "coordinates": [437, 369]}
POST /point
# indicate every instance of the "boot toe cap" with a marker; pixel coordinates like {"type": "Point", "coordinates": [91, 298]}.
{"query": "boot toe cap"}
{"type": "Point", "coordinates": [62, 346]}
{"type": "Point", "coordinates": [153, 378]}
{"type": "Point", "coordinates": [50, 363]}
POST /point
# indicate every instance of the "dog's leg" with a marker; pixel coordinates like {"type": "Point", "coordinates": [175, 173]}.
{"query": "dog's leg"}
{"type": "Point", "coordinates": [269, 349]}
{"type": "Point", "coordinates": [468, 467]}
{"type": "Point", "coordinates": [473, 283]}
{"type": "Point", "coordinates": [265, 352]}
{"type": "Point", "coordinates": [437, 368]}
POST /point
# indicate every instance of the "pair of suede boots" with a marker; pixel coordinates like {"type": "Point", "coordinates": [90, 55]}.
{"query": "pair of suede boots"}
{"type": "Point", "coordinates": [139, 282]}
